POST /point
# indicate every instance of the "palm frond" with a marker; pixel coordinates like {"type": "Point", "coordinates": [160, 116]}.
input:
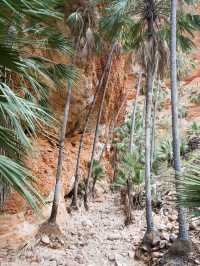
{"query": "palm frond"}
{"type": "Point", "coordinates": [189, 187]}
{"type": "Point", "coordinates": [20, 179]}
{"type": "Point", "coordinates": [9, 58]}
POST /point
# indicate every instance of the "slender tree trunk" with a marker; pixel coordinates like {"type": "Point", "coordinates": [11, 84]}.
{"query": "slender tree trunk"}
{"type": "Point", "coordinates": [131, 140]}
{"type": "Point", "coordinates": [77, 175]}
{"type": "Point", "coordinates": [97, 129]}
{"type": "Point", "coordinates": [182, 217]}
{"type": "Point", "coordinates": [143, 113]}
{"type": "Point", "coordinates": [58, 185]}
{"type": "Point", "coordinates": [154, 122]}
{"type": "Point", "coordinates": [133, 116]}
{"type": "Point", "coordinates": [149, 217]}
{"type": "Point", "coordinates": [151, 65]}
{"type": "Point", "coordinates": [111, 128]}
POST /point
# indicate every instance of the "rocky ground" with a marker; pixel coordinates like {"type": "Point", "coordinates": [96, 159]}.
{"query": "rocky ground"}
{"type": "Point", "coordinates": [100, 238]}
{"type": "Point", "coordinates": [94, 238]}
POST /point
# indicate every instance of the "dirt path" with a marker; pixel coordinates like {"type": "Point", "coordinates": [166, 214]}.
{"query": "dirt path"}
{"type": "Point", "coordinates": [94, 238]}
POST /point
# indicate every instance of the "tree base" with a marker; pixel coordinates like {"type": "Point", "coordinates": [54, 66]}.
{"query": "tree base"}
{"type": "Point", "coordinates": [72, 208]}
{"type": "Point", "coordinates": [177, 253]}
{"type": "Point", "coordinates": [180, 248]}
{"type": "Point", "coordinates": [151, 239]}
{"type": "Point", "coordinates": [52, 233]}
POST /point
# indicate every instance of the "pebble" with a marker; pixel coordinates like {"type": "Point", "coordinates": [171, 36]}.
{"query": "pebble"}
{"type": "Point", "coordinates": [79, 259]}
{"type": "Point", "coordinates": [173, 218]}
{"type": "Point", "coordinates": [114, 237]}
{"type": "Point", "coordinates": [193, 226]}
{"type": "Point", "coordinates": [45, 240]}
{"type": "Point", "coordinates": [165, 236]}
{"type": "Point", "coordinates": [172, 238]}
{"type": "Point", "coordinates": [197, 262]}
{"type": "Point", "coordinates": [87, 223]}
{"type": "Point", "coordinates": [111, 257]}
{"type": "Point", "coordinates": [157, 255]}
{"type": "Point", "coordinates": [131, 254]}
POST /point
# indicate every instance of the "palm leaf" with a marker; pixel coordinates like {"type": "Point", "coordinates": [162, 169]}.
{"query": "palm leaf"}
{"type": "Point", "coordinates": [189, 187]}
{"type": "Point", "coordinates": [19, 178]}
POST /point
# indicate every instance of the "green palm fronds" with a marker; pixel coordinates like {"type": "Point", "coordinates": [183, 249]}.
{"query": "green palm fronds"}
{"type": "Point", "coordinates": [126, 21]}
{"type": "Point", "coordinates": [19, 178]}
{"type": "Point", "coordinates": [189, 187]}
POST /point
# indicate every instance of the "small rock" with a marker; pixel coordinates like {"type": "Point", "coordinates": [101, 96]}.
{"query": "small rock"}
{"type": "Point", "coordinates": [193, 226]}
{"type": "Point", "coordinates": [173, 218]}
{"type": "Point", "coordinates": [131, 255]}
{"type": "Point", "coordinates": [157, 254]}
{"type": "Point", "coordinates": [114, 237]}
{"type": "Point", "coordinates": [163, 244]}
{"type": "Point", "coordinates": [197, 262]}
{"type": "Point", "coordinates": [144, 248]}
{"type": "Point", "coordinates": [69, 262]}
{"type": "Point", "coordinates": [155, 248]}
{"type": "Point", "coordinates": [45, 240]}
{"type": "Point", "coordinates": [111, 257]}
{"type": "Point", "coordinates": [165, 236]}
{"type": "Point", "coordinates": [172, 238]}
{"type": "Point", "coordinates": [87, 223]}
{"type": "Point", "coordinates": [49, 263]}
{"type": "Point", "coordinates": [170, 226]}
{"type": "Point", "coordinates": [79, 259]}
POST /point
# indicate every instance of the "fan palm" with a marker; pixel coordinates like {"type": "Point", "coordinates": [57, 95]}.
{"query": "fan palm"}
{"type": "Point", "coordinates": [189, 187]}
{"type": "Point", "coordinates": [144, 26]}
{"type": "Point", "coordinates": [142, 29]}
{"type": "Point", "coordinates": [183, 231]}
{"type": "Point", "coordinates": [58, 185]}
{"type": "Point", "coordinates": [25, 29]}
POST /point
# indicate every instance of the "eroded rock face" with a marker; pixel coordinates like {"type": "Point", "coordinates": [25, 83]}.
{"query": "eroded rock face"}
{"type": "Point", "coordinates": [83, 94]}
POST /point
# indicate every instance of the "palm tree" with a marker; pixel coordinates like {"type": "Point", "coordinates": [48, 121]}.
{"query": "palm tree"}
{"type": "Point", "coordinates": [149, 45]}
{"type": "Point", "coordinates": [58, 185]}
{"type": "Point", "coordinates": [108, 69]}
{"type": "Point", "coordinates": [182, 218]}
{"type": "Point", "coordinates": [144, 26]}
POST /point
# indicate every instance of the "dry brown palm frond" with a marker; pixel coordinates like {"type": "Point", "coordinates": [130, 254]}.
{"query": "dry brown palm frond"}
{"type": "Point", "coordinates": [163, 58]}
{"type": "Point", "coordinates": [146, 54]}
{"type": "Point", "coordinates": [155, 52]}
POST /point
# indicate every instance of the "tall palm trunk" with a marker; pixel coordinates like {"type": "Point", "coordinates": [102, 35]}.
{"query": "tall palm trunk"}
{"type": "Point", "coordinates": [143, 113]}
{"type": "Point", "coordinates": [149, 217]}
{"type": "Point", "coordinates": [129, 218]}
{"type": "Point", "coordinates": [183, 229]}
{"type": "Point", "coordinates": [97, 128]}
{"type": "Point", "coordinates": [133, 116]}
{"type": "Point", "coordinates": [148, 121]}
{"type": "Point", "coordinates": [112, 127]}
{"type": "Point", "coordinates": [77, 175]}
{"type": "Point", "coordinates": [154, 122]}
{"type": "Point", "coordinates": [58, 185]}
